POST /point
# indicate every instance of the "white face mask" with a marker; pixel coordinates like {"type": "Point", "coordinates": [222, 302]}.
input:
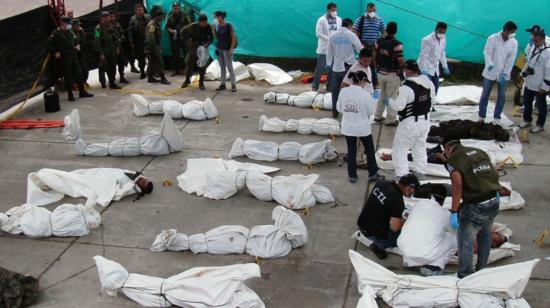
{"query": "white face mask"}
{"type": "Point", "coordinates": [216, 22]}
{"type": "Point", "coordinates": [69, 27]}
{"type": "Point", "coordinates": [334, 14]}
{"type": "Point", "coordinates": [440, 36]}
{"type": "Point", "coordinates": [511, 35]}
{"type": "Point", "coordinates": [371, 14]}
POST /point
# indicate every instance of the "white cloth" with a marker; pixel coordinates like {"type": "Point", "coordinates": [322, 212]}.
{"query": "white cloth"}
{"type": "Point", "coordinates": [202, 56]}
{"type": "Point", "coordinates": [270, 73]}
{"type": "Point", "coordinates": [309, 99]}
{"type": "Point", "coordinates": [432, 52]}
{"type": "Point", "coordinates": [540, 63]}
{"type": "Point", "coordinates": [529, 47]}
{"type": "Point", "coordinates": [198, 287]}
{"type": "Point", "coordinates": [410, 134]}
{"type": "Point", "coordinates": [323, 127]}
{"type": "Point", "coordinates": [490, 287]}
{"type": "Point", "coordinates": [358, 67]}
{"type": "Point", "coordinates": [501, 55]}
{"type": "Point", "coordinates": [192, 110]}
{"type": "Point", "coordinates": [214, 72]}
{"type": "Point", "coordinates": [356, 107]}
{"type": "Point", "coordinates": [430, 169]}
{"type": "Point", "coordinates": [266, 241]}
{"type": "Point", "coordinates": [458, 95]}
{"type": "Point", "coordinates": [323, 32]}
{"type": "Point", "coordinates": [341, 49]}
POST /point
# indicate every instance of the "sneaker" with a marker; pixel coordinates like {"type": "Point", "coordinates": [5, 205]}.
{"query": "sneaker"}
{"type": "Point", "coordinates": [379, 253]}
{"type": "Point", "coordinates": [537, 129]}
{"type": "Point", "coordinates": [221, 87]}
{"type": "Point", "coordinates": [353, 179]}
{"type": "Point", "coordinates": [378, 120]}
{"type": "Point", "coordinates": [430, 270]}
{"type": "Point", "coordinates": [481, 120]}
{"type": "Point", "coordinates": [233, 89]}
{"type": "Point", "coordinates": [498, 122]}
{"type": "Point", "coordinates": [524, 124]}
{"type": "Point", "coordinates": [376, 177]}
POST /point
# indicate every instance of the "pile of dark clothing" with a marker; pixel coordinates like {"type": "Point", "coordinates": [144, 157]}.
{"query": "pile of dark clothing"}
{"type": "Point", "coordinates": [466, 129]}
{"type": "Point", "coordinates": [17, 290]}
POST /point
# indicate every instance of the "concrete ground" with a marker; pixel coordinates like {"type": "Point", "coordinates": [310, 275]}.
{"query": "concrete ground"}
{"type": "Point", "coordinates": [316, 275]}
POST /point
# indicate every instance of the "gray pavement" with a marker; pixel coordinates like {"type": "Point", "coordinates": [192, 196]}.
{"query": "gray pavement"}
{"type": "Point", "coordinates": [316, 275]}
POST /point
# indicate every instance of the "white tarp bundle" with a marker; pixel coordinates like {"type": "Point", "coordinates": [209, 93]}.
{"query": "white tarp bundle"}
{"type": "Point", "coordinates": [265, 241]}
{"type": "Point", "coordinates": [192, 110]}
{"type": "Point", "coordinates": [489, 288]}
{"type": "Point", "coordinates": [65, 220]}
{"type": "Point", "coordinates": [459, 95]}
{"type": "Point", "coordinates": [431, 169]}
{"type": "Point", "coordinates": [310, 153]}
{"type": "Point", "coordinates": [166, 141]}
{"type": "Point", "coordinates": [98, 185]}
{"type": "Point", "coordinates": [213, 72]}
{"type": "Point", "coordinates": [453, 112]}
{"type": "Point", "coordinates": [270, 73]}
{"type": "Point", "coordinates": [198, 287]}
{"type": "Point", "coordinates": [305, 126]}
{"type": "Point", "coordinates": [309, 99]}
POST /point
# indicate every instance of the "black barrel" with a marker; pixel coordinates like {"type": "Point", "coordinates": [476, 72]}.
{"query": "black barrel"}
{"type": "Point", "coordinates": [51, 101]}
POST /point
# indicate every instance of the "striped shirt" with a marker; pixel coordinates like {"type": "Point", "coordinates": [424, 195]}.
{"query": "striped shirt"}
{"type": "Point", "coordinates": [372, 29]}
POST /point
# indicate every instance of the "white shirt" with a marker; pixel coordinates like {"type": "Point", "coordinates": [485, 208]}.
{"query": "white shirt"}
{"type": "Point", "coordinates": [358, 67]}
{"type": "Point", "coordinates": [529, 48]}
{"type": "Point", "coordinates": [356, 107]}
{"type": "Point", "coordinates": [323, 31]}
{"type": "Point", "coordinates": [501, 54]}
{"type": "Point", "coordinates": [432, 52]}
{"type": "Point", "coordinates": [405, 94]}
{"type": "Point", "coordinates": [540, 62]}
{"type": "Point", "coordinates": [341, 47]}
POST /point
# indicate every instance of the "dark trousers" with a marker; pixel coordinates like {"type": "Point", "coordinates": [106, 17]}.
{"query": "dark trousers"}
{"type": "Point", "coordinates": [121, 62]}
{"type": "Point", "coordinates": [190, 66]}
{"type": "Point", "coordinates": [177, 52]}
{"type": "Point", "coordinates": [372, 167]}
{"type": "Point", "coordinates": [540, 102]}
{"type": "Point", "coordinates": [388, 242]}
{"type": "Point", "coordinates": [108, 66]}
{"type": "Point", "coordinates": [83, 68]}
{"type": "Point", "coordinates": [71, 70]}
{"type": "Point", "coordinates": [435, 80]}
{"type": "Point", "coordinates": [335, 86]}
{"type": "Point", "coordinates": [139, 53]}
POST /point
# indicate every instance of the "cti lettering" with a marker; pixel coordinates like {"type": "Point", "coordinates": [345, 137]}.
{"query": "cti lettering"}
{"type": "Point", "coordinates": [379, 195]}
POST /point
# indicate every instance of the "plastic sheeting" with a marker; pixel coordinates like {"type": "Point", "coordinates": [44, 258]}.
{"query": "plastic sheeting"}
{"type": "Point", "coordinates": [192, 110]}
{"type": "Point", "coordinates": [305, 126]}
{"type": "Point", "coordinates": [198, 287]}
{"type": "Point", "coordinates": [65, 220]}
{"type": "Point", "coordinates": [490, 288]}
{"type": "Point", "coordinates": [167, 140]}
{"type": "Point", "coordinates": [454, 112]}
{"type": "Point", "coordinates": [213, 71]}
{"type": "Point", "coordinates": [311, 153]}
{"type": "Point", "coordinates": [309, 99]}
{"type": "Point", "coordinates": [459, 95]}
{"type": "Point", "coordinates": [270, 73]}
{"type": "Point", "coordinates": [265, 241]}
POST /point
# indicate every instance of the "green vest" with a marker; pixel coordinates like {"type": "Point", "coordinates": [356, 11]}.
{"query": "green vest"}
{"type": "Point", "coordinates": [479, 178]}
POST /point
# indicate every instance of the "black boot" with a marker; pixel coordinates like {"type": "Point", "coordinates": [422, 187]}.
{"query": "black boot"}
{"type": "Point", "coordinates": [83, 93]}
{"type": "Point", "coordinates": [201, 86]}
{"type": "Point", "coordinates": [152, 79]}
{"type": "Point", "coordinates": [114, 86]}
{"type": "Point", "coordinates": [185, 84]}
{"type": "Point", "coordinates": [123, 80]}
{"type": "Point", "coordinates": [163, 80]}
{"type": "Point", "coordinates": [103, 85]}
{"type": "Point", "coordinates": [221, 87]}
{"type": "Point", "coordinates": [142, 75]}
{"type": "Point", "coordinates": [133, 69]}
{"type": "Point", "coordinates": [70, 95]}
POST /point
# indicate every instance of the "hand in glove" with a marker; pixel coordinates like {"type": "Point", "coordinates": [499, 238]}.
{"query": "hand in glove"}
{"type": "Point", "coordinates": [502, 78]}
{"type": "Point", "coordinates": [454, 221]}
{"type": "Point", "coordinates": [424, 72]}
{"type": "Point", "coordinates": [490, 67]}
{"type": "Point", "coordinates": [376, 94]}
{"type": "Point", "coordinates": [446, 71]}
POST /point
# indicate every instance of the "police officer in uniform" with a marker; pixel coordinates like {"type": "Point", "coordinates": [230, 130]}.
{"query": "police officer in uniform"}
{"type": "Point", "coordinates": [153, 47]}
{"type": "Point", "coordinates": [381, 219]}
{"type": "Point", "coordinates": [413, 103]}
{"type": "Point", "coordinates": [136, 36]}
{"type": "Point", "coordinates": [388, 58]}
{"type": "Point", "coordinates": [105, 44]}
{"type": "Point", "coordinates": [62, 46]}
{"type": "Point", "coordinates": [120, 39]}
{"type": "Point", "coordinates": [175, 22]}
{"type": "Point", "coordinates": [475, 182]}
{"type": "Point", "coordinates": [81, 44]}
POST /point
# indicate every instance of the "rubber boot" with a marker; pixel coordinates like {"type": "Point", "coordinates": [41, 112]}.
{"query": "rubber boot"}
{"type": "Point", "coordinates": [123, 80]}
{"type": "Point", "coordinates": [114, 86]}
{"type": "Point", "coordinates": [142, 75]}
{"type": "Point", "coordinates": [151, 78]}
{"type": "Point", "coordinates": [163, 80]}
{"type": "Point", "coordinates": [83, 93]}
{"type": "Point", "coordinates": [70, 95]}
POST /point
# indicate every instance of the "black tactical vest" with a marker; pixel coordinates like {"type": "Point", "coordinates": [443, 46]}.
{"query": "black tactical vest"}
{"type": "Point", "coordinates": [420, 106]}
{"type": "Point", "coordinates": [385, 55]}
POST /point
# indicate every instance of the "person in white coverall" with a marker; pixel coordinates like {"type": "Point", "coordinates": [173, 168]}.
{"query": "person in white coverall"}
{"type": "Point", "coordinates": [500, 55]}
{"type": "Point", "coordinates": [432, 52]}
{"type": "Point", "coordinates": [413, 104]}
{"type": "Point", "coordinates": [326, 25]}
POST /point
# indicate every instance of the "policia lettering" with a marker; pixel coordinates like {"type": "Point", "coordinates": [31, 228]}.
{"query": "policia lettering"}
{"type": "Point", "coordinates": [421, 105]}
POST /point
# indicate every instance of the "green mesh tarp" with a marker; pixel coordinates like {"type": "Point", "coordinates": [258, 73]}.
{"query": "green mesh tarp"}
{"type": "Point", "coordinates": [286, 28]}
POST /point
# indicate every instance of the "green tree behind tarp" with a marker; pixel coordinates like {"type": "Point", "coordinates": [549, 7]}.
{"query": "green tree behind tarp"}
{"type": "Point", "coordinates": [285, 28]}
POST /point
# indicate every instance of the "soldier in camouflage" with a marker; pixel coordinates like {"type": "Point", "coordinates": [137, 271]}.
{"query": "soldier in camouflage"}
{"type": "Point", "coordinates": [153, 47]}
{"type": "Point", "coordinates": [175, 22]}
{"type": "Point", "coordinates": [118, 35]}
{"type": "Point", "coordinates": [136, 36]}
{"type": "Point", "coordinates": [105, 45]}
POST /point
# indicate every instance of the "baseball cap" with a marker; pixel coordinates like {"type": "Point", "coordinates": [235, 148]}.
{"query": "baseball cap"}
{"type": "Point", "coordinates": [534, 28]}
{"type": "Point", "coordinates": [409, 180]}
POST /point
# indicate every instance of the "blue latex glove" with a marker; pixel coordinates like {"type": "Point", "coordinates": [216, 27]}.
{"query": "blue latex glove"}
{"type": "Point", "coordinates": [376, 94]}
{"type": "Point", "coordinates": [446, 71]}
{"type": "Point", "coordinates": [386, 102]}
{"type": "Point", "coordinates": [490, 67]}
{"type": "Point", "coordinates": [502, 78]}
{"type": "Point", "coordinates": [454, 221]}
{"type": "Point", "coordinates": [327, 68]}
{"type": "Point", "coordinates": [424, 72]}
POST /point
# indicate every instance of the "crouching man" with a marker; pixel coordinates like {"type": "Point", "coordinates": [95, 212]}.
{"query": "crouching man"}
{"type": "Point", "coordinates": [381, 219]}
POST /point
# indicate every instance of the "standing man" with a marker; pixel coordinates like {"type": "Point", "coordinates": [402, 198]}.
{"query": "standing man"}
{"type": "Point", "coordinates": [529, 48]}
{"type": "Point", "coordinates": [62, 46]}
{"type": "Point", "coordinates": [118, 35]}
{"type": "Point", "coordinates": [327, 25]}
{"type": "Point", "coordinates": [432, 52]}
{"type": "Point", "coordinates": [341, 49]}
{"type": "Point", "coordinates": [500, 54]}
{"type": "Point", "coordinates": [389, 60]}
{"type": "Point", "coordinates": [370, 27]}
{"type": "Point", "coordinates": [105, 44]}
{"type": "Point", "coordinates": [195, 35]}
{"type": "Point", "coordinates": [381, 218]}
{"type": "Point", "coordinates": [176, 21]}
{"type": "Point", "coordinates": [475, 182]}
{"type": "Point", "coordinates": [80, 45]}
{"type": "Point", "coordinates": [536, 69]}
{"type": "Point", "coordinates": [413, 104]}
{"type": "Point", "coordinates": [153, 47]}
{"type": "Point", "coordinates": [136, 36]}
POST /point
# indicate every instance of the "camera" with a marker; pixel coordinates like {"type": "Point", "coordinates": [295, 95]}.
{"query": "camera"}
{"type": "Point", "coordinates": [528, 71]}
